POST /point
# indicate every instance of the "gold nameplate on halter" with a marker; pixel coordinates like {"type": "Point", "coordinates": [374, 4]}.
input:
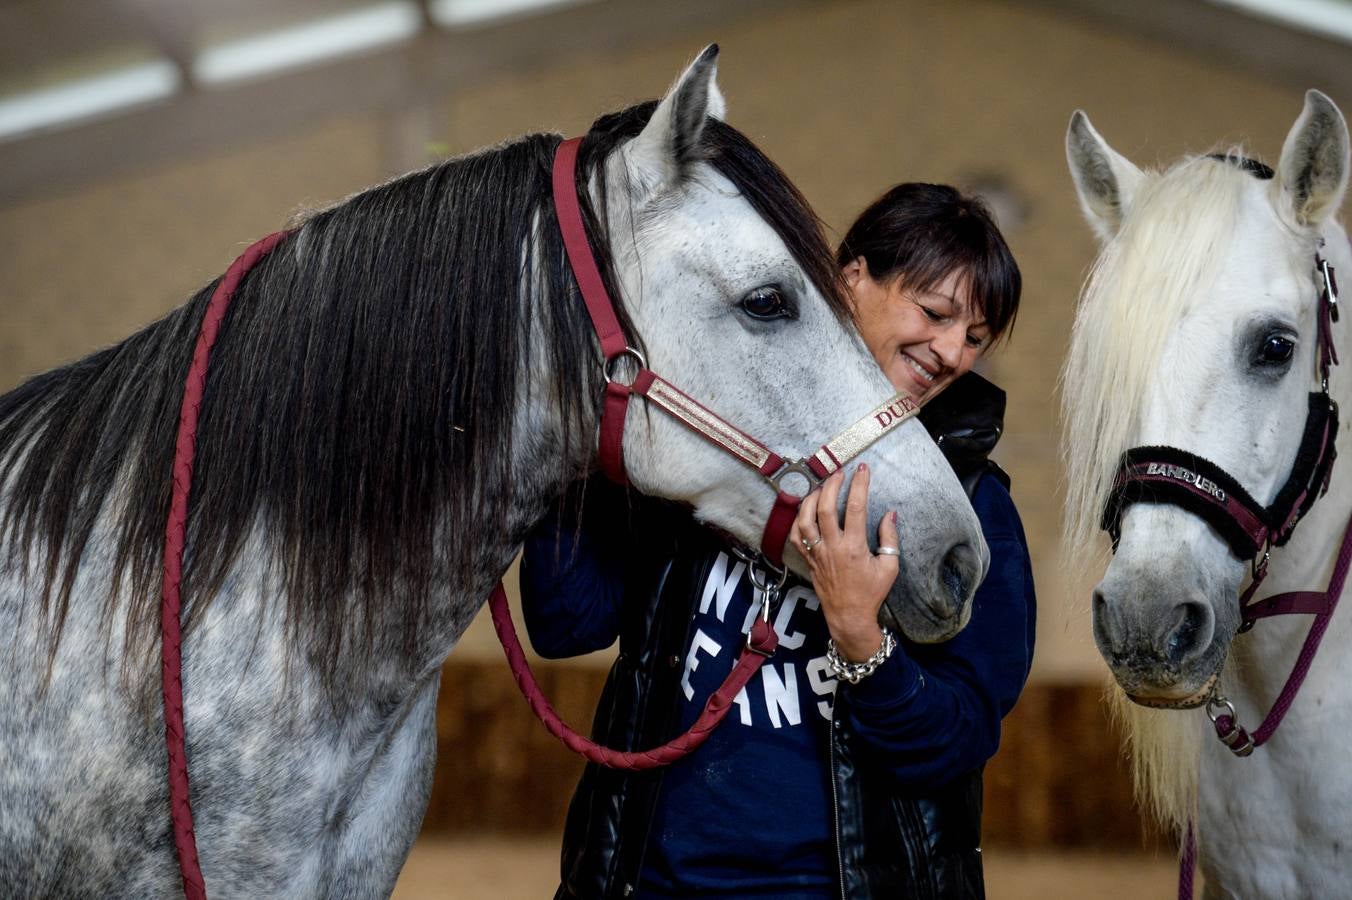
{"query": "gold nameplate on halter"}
{"type": "Point", "coordinates": [706, 423]}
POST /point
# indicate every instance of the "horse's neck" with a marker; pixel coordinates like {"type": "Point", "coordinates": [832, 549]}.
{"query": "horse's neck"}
{"type": "Point", "coordinates": [1264, 811]}
{"type": "Point", "coordinates": [549, 452]}
{"type": "Point", "coordinates": [1265, 800]}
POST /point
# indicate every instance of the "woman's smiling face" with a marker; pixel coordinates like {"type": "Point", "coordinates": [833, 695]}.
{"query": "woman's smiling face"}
{"type": "Point", "coordinates": [923, 340]}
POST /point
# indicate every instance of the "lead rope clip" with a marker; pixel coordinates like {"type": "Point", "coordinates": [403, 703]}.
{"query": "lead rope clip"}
{"type": "Point", "coordinates": [766, 582]}
{"type": "Point", "coordinates": [1232, 734]}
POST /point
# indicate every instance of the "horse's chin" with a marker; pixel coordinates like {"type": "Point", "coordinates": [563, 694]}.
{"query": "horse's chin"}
{"type": "Point", "coordinates": [1173, 701]}
{"type": "Point", "coordinates": [1177, 691]}
{"type": "Point", "coordinates": [919, 626]}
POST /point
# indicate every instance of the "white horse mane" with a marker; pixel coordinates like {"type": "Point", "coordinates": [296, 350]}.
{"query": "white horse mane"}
{"type": "Point", "coordinates": [1165, 254]}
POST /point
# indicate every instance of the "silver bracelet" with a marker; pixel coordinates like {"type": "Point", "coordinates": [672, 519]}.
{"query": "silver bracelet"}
{"type": "Point", "coordinates": [857, 672]}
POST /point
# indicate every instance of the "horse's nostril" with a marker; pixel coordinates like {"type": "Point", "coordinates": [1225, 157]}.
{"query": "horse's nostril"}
{"type": "Point", "coordinates": [1190, 635]}
{"type": "Point", "coordinates": [957, 576]}
{"type": "Point", "coordinates": [1108, 631]}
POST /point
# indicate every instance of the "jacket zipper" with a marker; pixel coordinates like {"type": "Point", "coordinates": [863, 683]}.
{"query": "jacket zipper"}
{"type": "Point", "coordinates": [835, 796]}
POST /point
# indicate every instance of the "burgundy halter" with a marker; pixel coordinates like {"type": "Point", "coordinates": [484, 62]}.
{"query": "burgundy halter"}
{"type": "Point", "coordinates": [767, 572]}
{"type": "Point", "coordinates": [762, 640]}
{"type": "Point", "coordinates": [830, 457]}
{"type": "Point", "coordinates": [1171, 475]}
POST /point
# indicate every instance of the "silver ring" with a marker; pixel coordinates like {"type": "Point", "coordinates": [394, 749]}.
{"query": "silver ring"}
{"type": "Point", "coordinates": [889, 551]}
{"type": "Point", "coordinates": [808, 545]}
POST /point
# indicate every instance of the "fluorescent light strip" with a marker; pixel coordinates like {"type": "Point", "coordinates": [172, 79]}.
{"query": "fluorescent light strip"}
{"type": "Point", "coordinates": [1328, 17]}
{"type": "Point", "coordinates": [459, 13]}
{"type": "Point", "coordinates": [308, 43]}
{"type": "Point", "coordinates": [87, 97]}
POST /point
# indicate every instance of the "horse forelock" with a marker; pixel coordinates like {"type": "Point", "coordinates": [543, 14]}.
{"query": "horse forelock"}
{"type": "Point", "coordinates": [1150, 275]}
{"type": "Point", "coordinates": [359, 405]}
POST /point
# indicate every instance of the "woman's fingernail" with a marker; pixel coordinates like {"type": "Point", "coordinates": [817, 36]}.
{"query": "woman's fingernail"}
{"type": "Point", "coordinates": [863, 467]}
{"type": "Point", "coordinates": [894, 517]}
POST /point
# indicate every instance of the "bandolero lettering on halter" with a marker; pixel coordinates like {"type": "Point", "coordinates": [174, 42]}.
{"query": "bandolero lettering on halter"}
{"type": "Point", "coordinates": [1178, 473]}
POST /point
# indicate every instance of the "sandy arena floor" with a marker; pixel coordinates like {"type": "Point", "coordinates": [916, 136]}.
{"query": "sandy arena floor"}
{"type": "Point", "coordinates": [527, 869]}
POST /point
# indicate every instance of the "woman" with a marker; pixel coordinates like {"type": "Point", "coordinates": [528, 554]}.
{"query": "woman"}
{"type": "Point", "coordinates": [850, 766]}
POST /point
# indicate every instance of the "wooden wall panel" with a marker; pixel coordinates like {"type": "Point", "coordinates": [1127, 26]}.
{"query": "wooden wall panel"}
{"type": "Point", "coordinates": [1059, 780]}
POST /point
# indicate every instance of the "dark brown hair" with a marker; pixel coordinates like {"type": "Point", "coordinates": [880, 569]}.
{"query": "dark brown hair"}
{"type": "Point", "coordinates": [923, 232]}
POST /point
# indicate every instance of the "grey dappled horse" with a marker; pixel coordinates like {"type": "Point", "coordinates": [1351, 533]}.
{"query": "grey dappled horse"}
{"type": "Point", "coordinates": [400, 390]}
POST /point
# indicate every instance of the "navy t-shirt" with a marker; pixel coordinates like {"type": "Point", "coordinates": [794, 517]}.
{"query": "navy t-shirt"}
{"type": "Point", "coordinates": [753, 816]}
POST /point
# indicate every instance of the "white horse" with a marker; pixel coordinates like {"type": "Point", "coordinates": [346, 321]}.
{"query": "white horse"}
{"type": "Point", "coordinates": [1197, 330]}
{"type": "Point", "coordinates": [400, 390]}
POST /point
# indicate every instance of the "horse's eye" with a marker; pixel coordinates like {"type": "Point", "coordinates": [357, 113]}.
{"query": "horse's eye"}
{"type": "Point", "coordinates": [766, 303]}
{"type": "Point", "coordinates": [1276, 350]}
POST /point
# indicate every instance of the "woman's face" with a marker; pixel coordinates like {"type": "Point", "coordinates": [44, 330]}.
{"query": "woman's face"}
{"type": "Point", "coordinates": [922, 340]}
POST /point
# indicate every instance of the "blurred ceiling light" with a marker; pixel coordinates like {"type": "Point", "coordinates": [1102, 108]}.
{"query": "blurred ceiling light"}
{"type": "Point", "coordinates": [1328, 17]}
{"type": "Point", "coordinates": [318, 40]}
{"type": "Point", "coordinates": [458, 13]}
{"type": "Point", "coordinates": [83, 98]}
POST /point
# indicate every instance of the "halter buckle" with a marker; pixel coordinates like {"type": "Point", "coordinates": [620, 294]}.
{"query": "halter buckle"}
{"type": "Point", "coordinates": [1259, 567]}
{"type": "Point", "coordinates": [1330, 288]}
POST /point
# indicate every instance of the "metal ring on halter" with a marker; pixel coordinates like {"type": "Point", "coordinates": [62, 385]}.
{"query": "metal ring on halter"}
{"type": "Point", "coordinates": [607, 368]}
{"type": "Point", "coordinates": [796, 467]}
{"type": "Point", "coordinates": [758, 570]}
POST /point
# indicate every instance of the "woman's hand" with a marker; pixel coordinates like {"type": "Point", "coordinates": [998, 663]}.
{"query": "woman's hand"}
{"type": "Point", "coordinates": [850, 581]}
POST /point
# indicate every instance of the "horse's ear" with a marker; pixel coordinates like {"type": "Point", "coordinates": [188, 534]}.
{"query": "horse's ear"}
{"type": "Point", "coordinates": [671, 140]}
{"type": "Point", "coordinates": [1312, 174]}
{"type": "Point", "coordinates": [1104, 178]}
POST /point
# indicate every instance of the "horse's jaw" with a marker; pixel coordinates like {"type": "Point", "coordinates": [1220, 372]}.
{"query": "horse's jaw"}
{"type": "Point", "coordinates": [944, 556]}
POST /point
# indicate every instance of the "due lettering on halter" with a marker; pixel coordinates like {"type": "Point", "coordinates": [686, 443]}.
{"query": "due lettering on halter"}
{"type": "Point", "coordinates": [1179, 473]}
{"type": "Point", "coordinates": [901, 409]}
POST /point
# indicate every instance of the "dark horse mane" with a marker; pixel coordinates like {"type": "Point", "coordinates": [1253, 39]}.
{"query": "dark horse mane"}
{"type": "Point", "coordinates": [359, 401]}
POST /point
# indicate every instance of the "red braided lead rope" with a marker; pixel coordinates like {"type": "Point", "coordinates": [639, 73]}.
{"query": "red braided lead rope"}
{"type": "Point", "coordinates": [175, 534]}
{"type": "Point", "coordinates": [762, 643]}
